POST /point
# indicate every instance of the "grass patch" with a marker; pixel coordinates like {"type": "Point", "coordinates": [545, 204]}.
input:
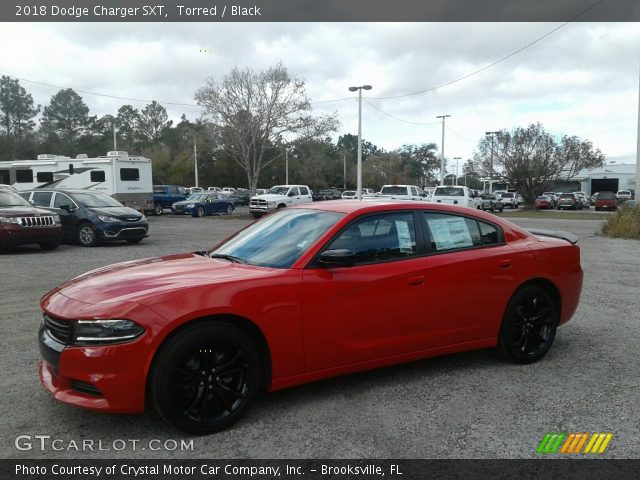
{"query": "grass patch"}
{"type": "Point", "coordinates": [554, 214]}
{"type": "Point", "coordinates": [625, 223]}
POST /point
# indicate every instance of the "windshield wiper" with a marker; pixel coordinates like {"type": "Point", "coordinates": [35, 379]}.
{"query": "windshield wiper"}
{"type": "Point", "coordinates": [231, 258]}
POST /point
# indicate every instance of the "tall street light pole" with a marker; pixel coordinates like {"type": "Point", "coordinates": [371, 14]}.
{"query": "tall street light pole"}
{"type": "Point", "coordinates": [359, 172]}
{"type": "Point", "coordinates": [442, 150]}
{"type": "Point", "coordinates": [286, 165]}
{"type": "Point", "coordinates": [492, 135]}
{"type": "Point", "coordinates": [195, 159]}
{"type": "Point", "coordinates": [457, 159]}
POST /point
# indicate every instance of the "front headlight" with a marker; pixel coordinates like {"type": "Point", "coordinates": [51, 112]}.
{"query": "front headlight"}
{"type": "Point", "coordinates": [102, 332]}
{"type": "Point", "coordinates": [106, 218]}
{"type": "Point", "coordinates": [9, 220]}
{"type": "Point", "coordinates": [191, 205]}
{"type": "Point", "coordinates": [56, 219]}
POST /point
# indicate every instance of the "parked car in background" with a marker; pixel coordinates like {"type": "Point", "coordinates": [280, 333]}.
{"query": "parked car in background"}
{"type": "Point", "coordinates": [166, 195]}
{"type": "Point", "coordinates": [89, 218]}
{"type": "Point", "coordinates": [202, 204]}
{"type": "Point", "coordinates": [510, 199]}
{"type": "Point", "coordinates": [214, 189]}
{"type": "Point", "coordinates": [553, 196]}
{"type": "Point", "coordinates": [400, 192]}
{"type": "Point", "coordinates": [328, 194]}
{"type": "Point", "coordinates": [228, 190]}
{"type": "Point", "coordinates": [457, 195]}
{"type": "Point", "coordinates": [196, 337]}
{"type": "Point", "coordinates": [584, 198]}
{"type": "Point", "coordinates": [543, 202]}
{"type": "Point", "coordinates": [491, 201]}
{"type": "Point", "coordinates": [240, 197]}
{"type": "Point", "coordinates": [21, 223]}
{"type": "Point", "coordinates": [606, 201]}
{"type": "Point", "coordinates": [279, 196]}
{"type": "Point", "coordinates": [569, 201]}
{"type": "Point", "coordinates": [195, 190]}
{"type": "Point", "coordinates": [348, 194]}
{"type": "Point", "coordinates": [592, 198]}
{"type": "Point", "coordinates": [623, 195]}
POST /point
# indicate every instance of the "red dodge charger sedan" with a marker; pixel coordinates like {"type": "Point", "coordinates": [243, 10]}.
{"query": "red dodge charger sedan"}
{"type": "Point", "coordinates": [306, 293]}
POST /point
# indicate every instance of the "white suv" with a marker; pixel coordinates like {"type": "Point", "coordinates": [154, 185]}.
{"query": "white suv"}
{"type": "Point", "coordinates": [457, 195]}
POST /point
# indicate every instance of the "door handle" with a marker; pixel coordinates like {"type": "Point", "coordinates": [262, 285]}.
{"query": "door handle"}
{"type": "Point", "coordinates": [504, 264]}
{"type": "Point", "coordinates": [417, 281]}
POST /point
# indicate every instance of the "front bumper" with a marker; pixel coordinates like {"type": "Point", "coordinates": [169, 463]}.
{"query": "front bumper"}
{"type": "Point", "coordinates": [105, 378]}
{"type": "Point", "coordinates": [11, 234]}
{"type": "Point", "coordinates": [121, 231]}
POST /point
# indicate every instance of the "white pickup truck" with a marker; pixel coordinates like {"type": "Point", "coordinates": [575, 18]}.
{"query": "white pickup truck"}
{"type": "Point", "coordinates": [457, 195]}
{"type": "Point", "coordinates": [400, 192]}
{"type": "Point", "coordinates": [279, 196]}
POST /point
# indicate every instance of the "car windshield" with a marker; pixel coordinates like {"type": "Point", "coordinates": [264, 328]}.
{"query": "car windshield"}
{"type": "Point", "coordinates": [279, 190]}
{"type": "Point", "coordinates": [95, 200]}
{"type": "Point", "coordinates": [10, 199]}
{"type": "Point", "coordinates": [449, 192]}
{"type": "Point", "coordinates": [279, 239]}
{"type": "Point", "coordinates": [394, 190]}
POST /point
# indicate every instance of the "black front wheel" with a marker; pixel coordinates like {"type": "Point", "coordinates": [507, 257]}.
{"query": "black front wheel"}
{"type": "Point", "coordinates": [205, 377]}
{"type": "Point", "coordinates": [157, 209]}
{"type": "Point", "coordinates": [529, 325]}
{"type": "Point", "coordinates": [229, 210]}
{"type": "Point", "coordinates": [199, 212]}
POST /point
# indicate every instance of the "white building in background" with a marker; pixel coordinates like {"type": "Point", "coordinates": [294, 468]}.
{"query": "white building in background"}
{"type": "Point", "coordinates": [611, 177]}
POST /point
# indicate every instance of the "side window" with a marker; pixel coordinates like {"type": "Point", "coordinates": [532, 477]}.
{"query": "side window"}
{"type": "Point", "coordinates": [25, 195]}
{"type": "Point", "coordinates": [4, 177]}
{"type": "Point", "coordinates": [97, 176]}
{"type": "Point", "coordinates": [172, 190]}
{"type": "Point", "coordinates": [129, 174]}
{"type": "Point", "coordinates": [304, 191]}
{"type": "Point", "coordinates": [488, 234]}
{"type": "Point", "coordinates": [42, 199]}
{"type": "Point", "coordinates": [43, 177]}
{"type": "Point", "coordinates": [294, 192]}
{"type": "Point", "coordinates": [414, 191]}
{"type": "Point", "coordinates": [449, 232]}
{"type": "Point", "coordinates": [379, 238]}
{"type": "Point", "coordinates": [24, 176]}
{"type": "Point", "coordinates": [62, 199]}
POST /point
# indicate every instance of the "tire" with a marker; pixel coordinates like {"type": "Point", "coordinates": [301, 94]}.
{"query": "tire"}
{"type": "Point", "coordinates": [134, 240]}
{"type": "Point", "coordinates": [501, 210]}
{"type": "Point", "coordinates": [256, 215]}
{"type": "Point", "coordinates": [282, 205]}
{"type": "Point", "coordinates": [529, 325]}
{"type": "Point", "coordinates": [199, 212]}
{"type": "Point", "coordinates": [86, 235]}
{"type": "Point", "coordinates": [157, 209]}
{"type": "Point", "coordinates": [229, 210]}
{"type": "Point", "coordinates": [185, 389]}
{"type": "Point", "coordinates": [49, 244]}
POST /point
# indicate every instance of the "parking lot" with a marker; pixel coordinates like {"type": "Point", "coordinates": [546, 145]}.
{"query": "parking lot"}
{"type": "Point", "coordinates": [471, 405]}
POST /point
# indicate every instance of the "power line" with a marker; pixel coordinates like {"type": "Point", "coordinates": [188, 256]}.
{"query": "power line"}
{"type": "Point", "coordinates": [459, 135]}
{"type": "Point", "coordinates": [494, 63]}
{"type": "Point", "coordinates": [400, 119]}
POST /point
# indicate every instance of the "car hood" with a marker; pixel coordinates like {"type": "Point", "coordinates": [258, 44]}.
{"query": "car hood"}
{"type": "Point", "coordinates": [23, 212]}
{"type": "Point", "coordinates": [118, 212]}
{"type": "Point", "coordinates": [269, 196]}
{"type": "Point", "coordinates": [140, 280]}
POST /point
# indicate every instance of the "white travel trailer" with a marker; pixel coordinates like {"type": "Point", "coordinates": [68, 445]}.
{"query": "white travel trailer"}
{"type": "Point", "coordinates": [127, 179]}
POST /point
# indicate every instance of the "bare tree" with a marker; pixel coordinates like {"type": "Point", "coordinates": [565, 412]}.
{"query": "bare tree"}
{"type": "Point", "coordinates": [256, 112]}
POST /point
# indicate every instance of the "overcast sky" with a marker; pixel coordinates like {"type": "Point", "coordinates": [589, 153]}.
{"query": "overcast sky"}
{"type": "Point", "coordinates": [581, 80]}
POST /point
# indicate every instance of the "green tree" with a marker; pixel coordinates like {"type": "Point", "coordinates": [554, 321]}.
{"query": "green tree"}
{"type": "Point", "coordinates": [17, 112]}
{"type": "Point", "coordinates": [127, 124]}
{"type": "Point", "coordinates": [65, 120]}
{"type": "Point", "coordinates": [255, 113]}
{"type": "Point", "coordinates": [152, 122]}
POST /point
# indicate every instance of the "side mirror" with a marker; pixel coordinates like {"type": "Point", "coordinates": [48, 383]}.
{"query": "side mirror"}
{"type": "Point", "coordinates": [338, 258]}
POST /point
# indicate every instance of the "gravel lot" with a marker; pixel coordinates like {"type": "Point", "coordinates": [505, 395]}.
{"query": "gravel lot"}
{"type": "Point", "coordinates": [471, 405]}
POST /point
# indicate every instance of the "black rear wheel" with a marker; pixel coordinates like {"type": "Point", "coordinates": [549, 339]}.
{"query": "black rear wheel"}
{"type": "Point", "coordinates": [205, 378]}
{"type": "Point", "coordinates": [529, 325]}
{"type": "Point", "coordinates": [199, 212]}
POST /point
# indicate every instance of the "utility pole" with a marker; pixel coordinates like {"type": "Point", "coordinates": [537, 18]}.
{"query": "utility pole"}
{"type": "Point", "coordinates": [286, 165]}
{"type": "Point", "coordinates": [359, 172]}
{"type": "Point", "coordinates": [442, 150]}
{"type": "Point", "coordinates": [637, 184]}
{"type": "Point", "coordinates": [492, 135]}
{"type": "Point", "coordinates": [344, 172]}
{"type": "Point", "coordinates": [457, 159]}
{"type": "Point", "coordinates": [115, 141]}
{"type": "Point", "coordinates": [195, 159]}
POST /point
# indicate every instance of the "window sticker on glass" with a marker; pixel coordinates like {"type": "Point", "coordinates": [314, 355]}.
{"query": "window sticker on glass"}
{"type": "Point", "coordinates": [450, 233]}
{"type": "Point", "coordinates": [404, 236]}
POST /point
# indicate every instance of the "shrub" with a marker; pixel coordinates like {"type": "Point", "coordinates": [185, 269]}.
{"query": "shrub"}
{"type": "Point", "coordinates": [625, 223]}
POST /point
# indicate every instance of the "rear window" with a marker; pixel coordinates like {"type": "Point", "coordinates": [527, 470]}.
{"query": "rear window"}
{"type": "Point", "coordinates": [606, 196]}
{"type": "Point", "coordinates": [449, 192]}
{"type": "Point", "coordinates": [394, 190]}
{"type": "Point", "coordinates": [567, 195]}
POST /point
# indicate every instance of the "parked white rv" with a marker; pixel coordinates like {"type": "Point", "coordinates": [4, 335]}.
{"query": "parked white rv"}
{"type": "Point", "coordinates": [126, 178]}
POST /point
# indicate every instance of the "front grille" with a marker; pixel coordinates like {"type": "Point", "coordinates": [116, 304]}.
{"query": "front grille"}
{"type": "Point", "coordinates": [133, 219]}
{"type": "Point", "coordinates": [61, 330]}
{"type": "Point", "coordinates": [46, 221]}
{"type": "Point", "coordinates": [178, 208]}
{"type": "Point", "coordinates": [258, 203]}
{"type": "Point", "coordinates": [132, 232]}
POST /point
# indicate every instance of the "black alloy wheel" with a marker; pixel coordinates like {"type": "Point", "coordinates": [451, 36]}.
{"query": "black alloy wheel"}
{"type": "Point", "coordinates": [205, 378]}
{"type": "Point", "coordinates": [529, 325]}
